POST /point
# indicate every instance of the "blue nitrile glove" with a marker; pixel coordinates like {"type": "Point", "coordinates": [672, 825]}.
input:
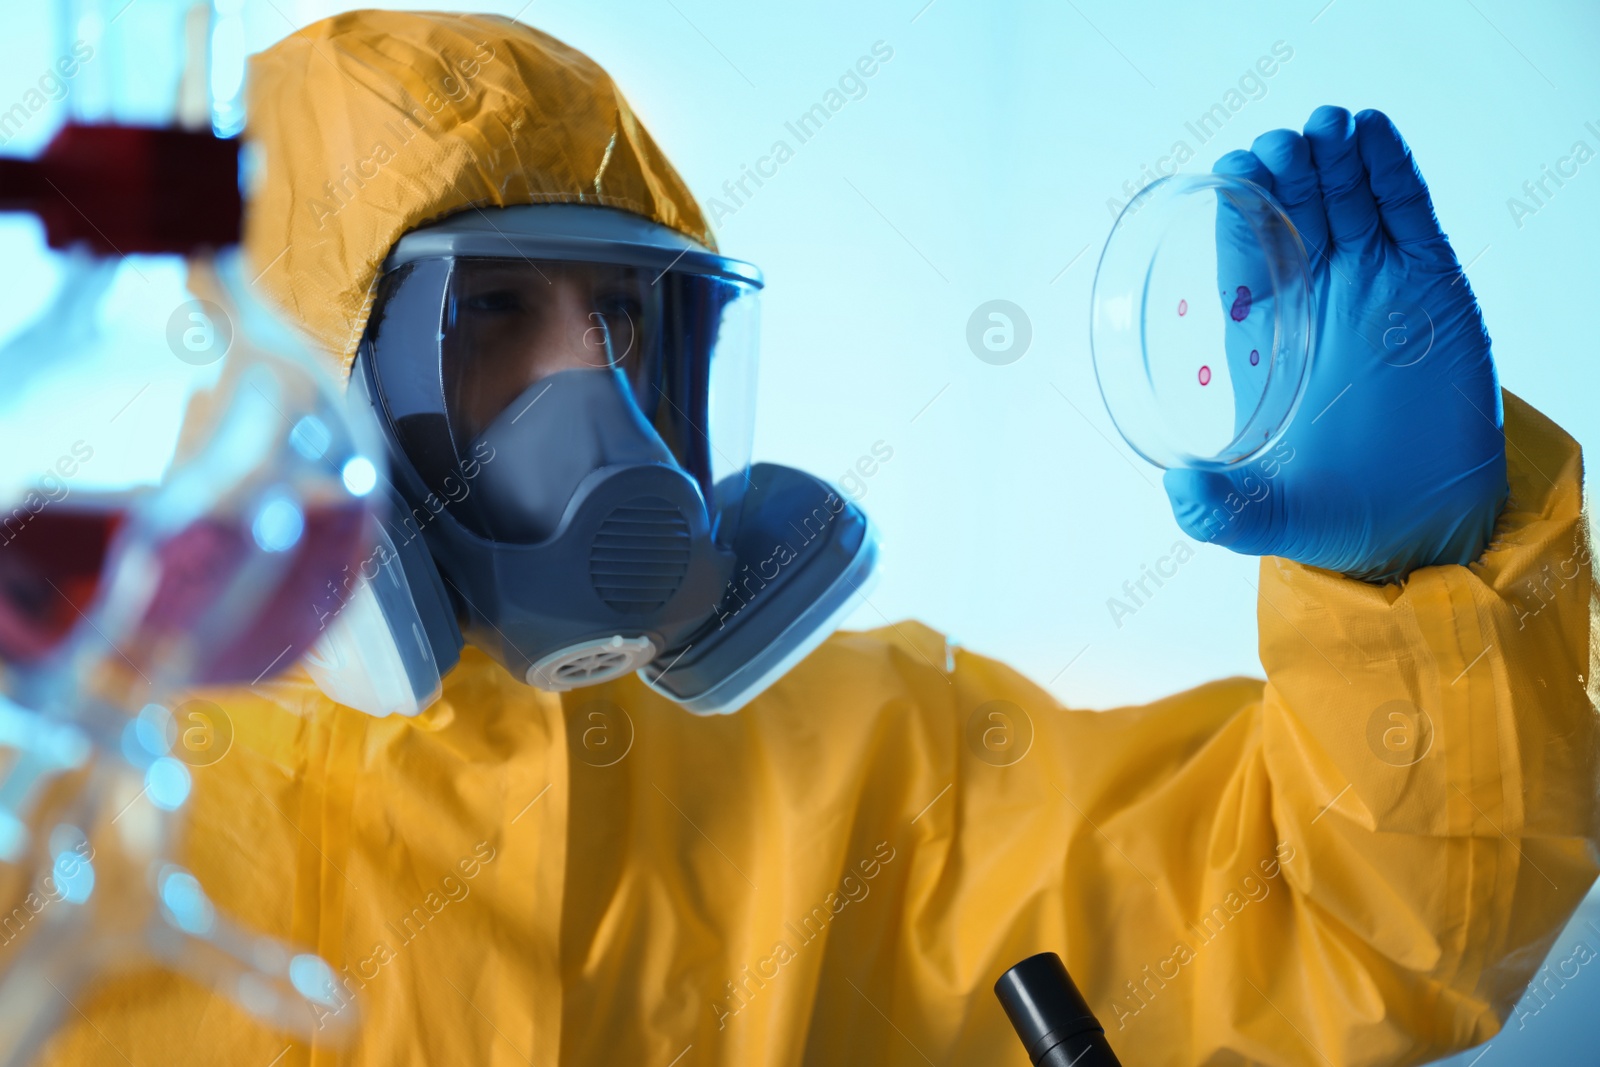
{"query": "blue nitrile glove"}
{"type": "Point", "coordinates": [1396, 457]}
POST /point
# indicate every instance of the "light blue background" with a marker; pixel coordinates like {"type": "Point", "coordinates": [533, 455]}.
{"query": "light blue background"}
{"type": "Point", "coordinates": [979, 166]}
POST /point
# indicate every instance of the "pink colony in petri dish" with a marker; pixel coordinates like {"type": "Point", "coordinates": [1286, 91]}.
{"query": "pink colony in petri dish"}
{"type": "Point", "coordinates": [1205, 375]}
{"type": "Point", "coordinates": [1183, 307]}
{"type": "Point", "coordinates": [1241, 304]}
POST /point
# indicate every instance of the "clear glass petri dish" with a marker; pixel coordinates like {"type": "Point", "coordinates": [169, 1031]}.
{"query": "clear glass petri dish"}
{"type": "Point", "coordinates": [1201, 324]}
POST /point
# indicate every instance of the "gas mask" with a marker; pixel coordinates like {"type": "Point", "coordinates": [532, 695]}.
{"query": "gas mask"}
{"type": "Point", "coordinates": [567, 396]}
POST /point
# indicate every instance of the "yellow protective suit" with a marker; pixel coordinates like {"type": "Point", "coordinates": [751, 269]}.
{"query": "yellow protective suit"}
{"type": "Point", "coordinates": [1298, 871]}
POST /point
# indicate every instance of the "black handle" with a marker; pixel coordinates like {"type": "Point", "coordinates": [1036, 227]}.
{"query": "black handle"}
{"type": "Point", "coordinates": [1051, 1017]}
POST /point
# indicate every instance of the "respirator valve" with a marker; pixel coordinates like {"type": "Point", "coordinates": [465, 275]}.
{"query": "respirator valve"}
{"type": "Point", "coordinates": [591, 662]}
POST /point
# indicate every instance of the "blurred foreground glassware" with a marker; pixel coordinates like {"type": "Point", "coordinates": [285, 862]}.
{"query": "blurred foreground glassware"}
{"type": "Point", "coordinates": [181, 491]}
{"type": "Point", "coordinates": [209, 561]}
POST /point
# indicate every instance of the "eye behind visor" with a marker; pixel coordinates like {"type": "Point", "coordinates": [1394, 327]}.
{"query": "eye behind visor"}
{"type": "Point", "coordinates": [501, 325]}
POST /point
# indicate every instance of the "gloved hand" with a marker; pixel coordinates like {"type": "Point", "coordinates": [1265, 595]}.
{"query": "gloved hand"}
{"type": "Point", "coordinates": [1395, 459]}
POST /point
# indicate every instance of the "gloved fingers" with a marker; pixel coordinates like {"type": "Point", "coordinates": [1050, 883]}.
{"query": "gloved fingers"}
{"type": "Point", "coordinates": [1217, 509]}
{"type": "Point", "coordinates": [1242, 164]}
{"type": "Point", "coordinates": [1404, 207]}
{"type": "Point", "coordinates": [1287, 155]}
{"type": "Point", "coordinates": [1233, 227]}
{"type": "Point", "coordinates": [1242, 275]}
{"type": "Point", "coordinates": [1346, 188]}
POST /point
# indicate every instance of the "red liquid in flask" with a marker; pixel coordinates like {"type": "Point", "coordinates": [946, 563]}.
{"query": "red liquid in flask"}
{"type": "Point", "coordinates": [303, 601]}
{"type": "Point", "coordinates": [207, 561]}
{"type": "Point", "coordinates": [53, 565]}
{"type": "Point", "coordinates": [50, 569]}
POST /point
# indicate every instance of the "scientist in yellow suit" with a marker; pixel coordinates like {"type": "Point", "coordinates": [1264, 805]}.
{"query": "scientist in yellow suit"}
{"type": "Point", "coordinates": [552, 858]}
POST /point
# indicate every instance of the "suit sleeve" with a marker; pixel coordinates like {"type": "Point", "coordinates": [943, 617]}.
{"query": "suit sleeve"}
{"type": "Point", "coordinates": [1361, 861]}
{"type": "Point", "coordinates": [1431, 752]}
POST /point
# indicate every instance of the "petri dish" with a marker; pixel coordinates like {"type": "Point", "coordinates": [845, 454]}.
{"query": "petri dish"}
{"type": "Point", "coordinates": [1201, 322]}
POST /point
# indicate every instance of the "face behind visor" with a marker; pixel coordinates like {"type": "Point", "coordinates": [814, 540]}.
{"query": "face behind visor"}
{"type": "Point", "coordinates": [567, 393]}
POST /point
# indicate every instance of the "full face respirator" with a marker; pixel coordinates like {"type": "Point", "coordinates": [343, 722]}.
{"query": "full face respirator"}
{"type": "Point", "coordinates": [567, 397]}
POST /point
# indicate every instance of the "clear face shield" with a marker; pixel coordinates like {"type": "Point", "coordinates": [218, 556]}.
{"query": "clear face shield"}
{"type": "Point", "coordinates": [576, 367]}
